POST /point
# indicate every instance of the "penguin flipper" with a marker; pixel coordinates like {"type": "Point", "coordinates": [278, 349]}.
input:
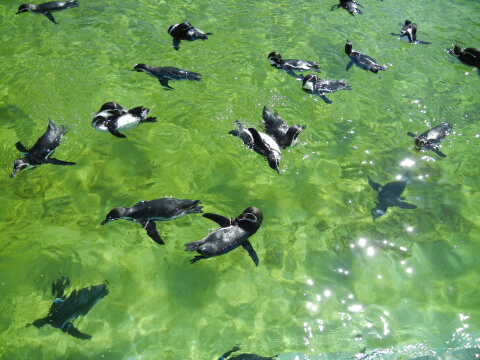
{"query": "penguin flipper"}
{"type": "Point", "coordinates": [228, 353]}
{"type": "Point", "coordinates": [72, 330]}
{"type": "Point", "coordinates": [149, 119]}
{"type": "Point", "coordinates": [375, 186]}
{"type": "Point", "coordinates": [349, 66]}
{"type": "Point", "coordinates": [54, 161]}
{"type": "Point", "coordinates": [112, 127]}
{"type": "Point", "coordinates": [247, 246]}
{"type": "Point", "coordinates": [438, 152]}
{"type": "Point", "coordinates": [219, 219]}
{"type": "Point", "coordinates": [176, 44]}
{"type": "Point", "coordinates": [21, 148]}
{"type": "Point", "coordinates": [258, 140]}
{"type": "Point", "coordinates": [405, 205]}
{"type": "Point", "coordinates": [336, 6]}
{"type": "Point", "coordinates": [196, 258]}
{"type": "Point", "coordinates": [411, 134]}
{"type": "Point", "coordinates": [325, 99]}
{"type": "Point", "coordinates": [152, 231]}
{"type": "Point", "coordinates": [164, 82]}
{"type": "Point", "coordinates": [49, 16]}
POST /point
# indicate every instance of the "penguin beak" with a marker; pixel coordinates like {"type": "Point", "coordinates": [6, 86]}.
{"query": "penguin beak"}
{"type": "Point", "coordinates": [106, 221]}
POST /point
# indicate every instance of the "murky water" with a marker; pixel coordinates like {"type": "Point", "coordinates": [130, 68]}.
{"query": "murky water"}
{"type": "Point", "coordinates": [331, 281]}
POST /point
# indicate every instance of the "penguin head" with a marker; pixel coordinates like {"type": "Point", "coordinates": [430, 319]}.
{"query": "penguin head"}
{"type": "Point", "coordinates": [140, 68]}
{"type": "Point", "coordinates": [25, 8]}
{"type": "Point", "coordinates": [115, 214]}
{"type": "Point", "coordinates": [275, 58]}
{"type": "Point", "coordinates": [457, 50]}
{"type": "Point", "coordinates": [274, 162]}
{"type": "Point", "coordinates": [295, 130]}
{"type": "Point", "coordinates": [420, 142]}
{"type": "Point", "coordinates": [348, 48]}
{"type": "Point", "coordinates": [308, 82]}
{"type": "Point", "coordinates": [251, 219]}
{"type": "Point", "coordinates": [19, 165]}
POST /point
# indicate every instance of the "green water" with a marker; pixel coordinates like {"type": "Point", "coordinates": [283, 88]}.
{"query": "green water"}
{"type": "Point", "coordinates": [330, 279]}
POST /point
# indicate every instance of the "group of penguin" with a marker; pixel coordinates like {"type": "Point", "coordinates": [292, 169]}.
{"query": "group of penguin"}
{"type": "Point", "coordinates": [232, 232]}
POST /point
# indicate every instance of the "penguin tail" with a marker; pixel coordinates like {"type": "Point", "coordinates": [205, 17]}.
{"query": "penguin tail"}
{"type": "Point", "coordinates": [192, 246]}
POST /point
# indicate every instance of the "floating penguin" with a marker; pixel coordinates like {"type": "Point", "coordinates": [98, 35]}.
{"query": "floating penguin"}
{"type": "Point", "coordinates": [432, 137]}
{"type": "Point", "coordinates": [313, 85]}
{"type": "Point", "coordinates": [185, 31]}
{"type": "Point", "coordinates": [113, 118]}
{"type": "Point", "coordinates": [389, 196]}
{"type": "Point", "coordinates": [164, 74]}
{"type": "Point", "coordinates": [147, 212]}
{"type": "Point", "coordinates": [244, 356]}
{"type": "Point", "coordinates": [409, 33]}
{"type": "Point", "coordinates": [42, 150]}
{"type": "Point", "coordinates": [361, 60]}
{"type": "Point", "coordinates": [231, 234]}
{"type": "Point", "coordinates": [349, 5]}
{"type": "Point", "coordinates": [47, 8]}
{"type": "Point", "coordinates": [469, 56]}
{"type": "Point", "coordinates": [260, 143]}
{"type": "Point", "coordinates": [289, 65]}
{"type": "Point", "coordinates": [278, 129]}
{"type": "Point", "coordinates": [64, 311]}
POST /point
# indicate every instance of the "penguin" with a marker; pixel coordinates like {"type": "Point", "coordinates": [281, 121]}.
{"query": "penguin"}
{"type": "Point", "coordinates": [147, 212]}
{"type": "Point", "coordinates": [289, 65]}
{"type": "Point", "coordinates": [113, 118]}
{"type": "Point", "coordinates": [432, 137]}
{"type": "Point", "coordinates": [164, 74]}
{"type": "Point", "coordinates": [469, 56]}
{"type": "Point", "coordinates": [361, 60]}
{"type": "Point", "coordinates": [64, 311]}
{"type": "Point", "coordinates": [389, 196]}
{"type": "Point", "coordinates": [244, 356]}
{"type": "Point", "coordinates": [41, 152]}
{"type": "Point", "coordinates": [231, 234]}
{"type": "Point", "coordinates": [260, 143]}
{"type": "Point", "coordinates": [349, 5]}
{"type": "Point", "coordinates": [185, 31]}
{"type": "Point", "coordinates": [409, 33]}
{"type": "Point", "coordinates": [278, 129]}
{"type": "Point", "coordinates": [313, 85]}
{"type": "Point", "coordinates": [47, 8]}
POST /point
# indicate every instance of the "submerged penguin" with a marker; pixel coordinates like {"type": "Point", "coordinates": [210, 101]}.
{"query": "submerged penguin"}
{"type": "Point", "coordinates": [185, 31]}
{"type": "Point", "coordinates": [64, 311]}
{"type": "Point", "coordinates": [361, 60]}
{"type": "Point", "coordinates": [469, 56]}
{"type": "Point", "coordinates": [113, 118]}
{"type": "Point", "coordinates": [47, 8]}
{"type": "Point", "coordinates": [432, 137]}
{"type": "Point", "coordinates": [244, 356]}
{"type": "Point", "coordinates": [409, 33]}
{"type": "Point", "coordinates": [278, 129]}
{"type": "Point", "coordinates": [313, 85]}
{"type": "Point", "coordinates": [164, 74]}
{"type": "Point", "coordinates": [349, 5]}
{"type": "Point", "coordinates": [41, 152]}
{"type": "Point", "coordinates": [147, 212]}
{"type": "Point", "coordinates": [389, 196]}
{"type": "Point", "coordinates": [289, 65]}
{"type": "Point", "coordinates": [231, 234]}
{"type": "Point", "coordinates": [260, 143]}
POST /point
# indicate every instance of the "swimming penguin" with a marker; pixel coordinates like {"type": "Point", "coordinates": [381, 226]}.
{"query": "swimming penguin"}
{"type": "Point", "coordinates": [185, 31]}
{"type": "Point", "coordinates": [47, 8]}
{"type": "Point", "coordinates": [244, 356]}
{"type": "Point", "coordinates": [260, 143]}
{"type": "Point", "coordinates": [289, 65]}
{"type": "Point", "coordinates": [64, 311]}
{"type": "Point", "coordinates": [432, 137]}
{"type": "Point", "coordinates": [361, 60]}
{"type": "Point", "coordinates": [313, 85]}
{"type": "Point", "coordinates": [113, 118]}
{"type": "Point", "coordinates": [409, 33]}
{"type": "Point", "coordinates": [469, 56]}
{"type": "Point", "coordinates": [231, 234]}
{"type": "Point", "coordinates": [147, 212]}
{"type": "Point", "coordinates": [349, 5]}
{"type": "Point", "coordinates": [278, 129]}
{"type": "Point", "coordinates": [164, 74]}
{"type": "Point", "coordinates": [389, 196]}
{"type": "Point", "coordinates": [41, 152]}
